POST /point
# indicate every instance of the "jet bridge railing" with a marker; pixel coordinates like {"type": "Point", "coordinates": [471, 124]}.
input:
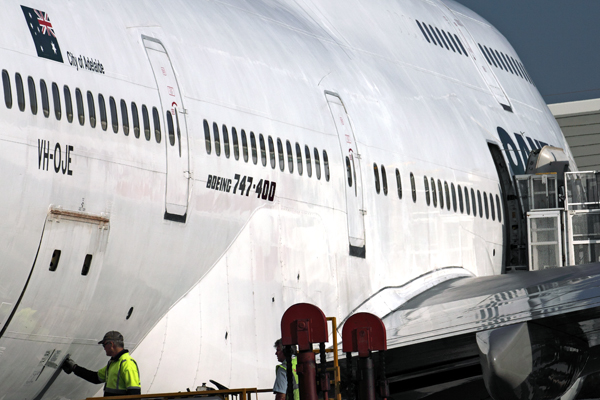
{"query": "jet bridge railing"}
{"type": "Point", "coordinates": [583, 216]}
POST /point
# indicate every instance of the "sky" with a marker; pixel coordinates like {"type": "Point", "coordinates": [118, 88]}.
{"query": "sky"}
{"type": "Point", "coordinates": [558, 41]}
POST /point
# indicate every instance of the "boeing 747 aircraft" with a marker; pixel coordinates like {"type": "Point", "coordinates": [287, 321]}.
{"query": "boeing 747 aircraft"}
{"type": "Point", "coordinates": [184, 171]}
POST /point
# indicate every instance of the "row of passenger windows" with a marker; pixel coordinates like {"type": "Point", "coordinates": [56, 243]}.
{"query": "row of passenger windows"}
{"type": "Point", "coordinates": [505, 62]}
{"type": "Point", "coordinates": [453, 196]}
{"type": "Point", "coordinates": [441, 38]}
{"type": "Point", "coordinates": [253, 148]}
{"type": "Point", "coordinates": [80, 109]}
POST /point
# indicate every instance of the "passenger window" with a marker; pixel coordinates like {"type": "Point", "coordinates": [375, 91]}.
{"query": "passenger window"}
{"type": "Point", "coordinates": [492, 209]}
{"type": "Point", "coordinates": [349, 171]}
{"type": "Point", "coordinates": [91, 108]}
{"type": "Point", "coordinates": [7, 90]}
{"type": "Point", "coordinates": [56, 98]}
{"type": "Point", "coordinates": [308, 162]}
{"type": "Point", "coordinates": [453, 196]}
{"type": "Point", "coordinates": [441, 38]}
{"type": "Point", "coordinates": [399, 184]}
{"type": "Point", "coordinates": [170, 128]}
{"type": "Point", "coordinates": [146, 120]}
{"type": "Point", "coordinates": [263, 149]}
{"type": "Point", "coordinates": [326, 165]}
{"type": "Point", "coordinates": [427, 194]}
{"type": "Point", "coordinates": [453, 42]}
{"type": "Point", "coordinates": [433, 192]}
{"type": "Point", "coordinates": [447, 191]}
{"type": "Point", "coordinates": [490, 56]}
{"type": "Point", "coordinates": [376, 172]}
{"type": "Point", "coordinates": [225, 141]}
{"type": "Point", "coordinates": [499, 57]}
{"type": "Point", "coordinates": [156, 117]}
{"type": "Point", "coordinates": [68, 103]}
{"type": "Point", "coordinates": [207, 137]}
{"type": "Point", "coordinates": [499, 209]}
{"type": "Point", "coordinates": [20, 91]}
{"type": "Point", "coordinates": [461, 46]}
{"type": "Point", "coordinates": [254, 149]}
{"type": "Point", "coordinates": [80, 108]}
{"type": "Point", "coordinates": [485, 203]}
{"type": "Point", "coordinates": [32, 95]}
{"type": "Point", "coordinates": [485, 55]}
{"type": "Point", "coordinates": [272, 153]}
{"type": "Point", "coordinates": [317, 163]}
{"type": "Point", "coordinates": [422, 31]}
{"type": "Point", "coordinates": [125, 117]}
{"type": "Point", "coordinates": [136, 120]}
{"type": "Point", "coordinates": [236, 145]}
{"type": "Point", "coordinates": [413, 187]}
{"type": "Point", "coordinates": [460, 200]}
{"type": "Point", "coordinates": [467, 203]}
{"type": "Point", "coordinates": [290, 156]}
{"type": "Point", "coordinates": [217, 139]}
{"type": "Point", "coordinates": [299, 158]}
{"type": "Point", "coordinates": [384, 180]}
{"type": "Point", "coordinates": [280, 153]}
{"type": "Point", "coordinates": [448, 40]}
{"type": "Point", "coordinates": [441, 193]}
{"type": "Point", "coordinates": [480, 205]}
{"type": "Point", "coordinates": [244, 145]}
{"type": "Point", "coordinates": [102, 107]}
{"type": "Point", "coordinates": [113, 114]}
{"type": "Point", "coordinates": [474, 203]}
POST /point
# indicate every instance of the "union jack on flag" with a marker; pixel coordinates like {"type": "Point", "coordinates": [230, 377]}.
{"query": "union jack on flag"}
{"type": "Point", "coordinates": [45, 24]}
{"type": "Point", "coordinates": [42, 33]}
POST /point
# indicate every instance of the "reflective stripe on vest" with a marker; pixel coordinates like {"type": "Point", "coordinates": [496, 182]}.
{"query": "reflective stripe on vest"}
{"type": "Point", "coordinates": [295, 384]}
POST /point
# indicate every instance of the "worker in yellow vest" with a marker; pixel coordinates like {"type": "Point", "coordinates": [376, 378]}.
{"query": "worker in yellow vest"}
{"type": "Point", "coordinates": [120, 376]}
{"type": "Point", "coordinates": [281, 383]}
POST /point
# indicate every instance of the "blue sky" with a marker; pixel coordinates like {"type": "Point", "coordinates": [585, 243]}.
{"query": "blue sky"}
{"type": "Point", "coordinates": [557, 40]}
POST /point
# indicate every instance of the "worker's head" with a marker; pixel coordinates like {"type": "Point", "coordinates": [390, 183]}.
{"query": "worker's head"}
{"type": "Point", "coordinates": [279, 350]}
{"type": "Point", "coordinates": [112, 343]}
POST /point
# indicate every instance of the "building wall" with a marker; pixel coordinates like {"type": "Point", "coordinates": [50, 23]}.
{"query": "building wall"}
{"type": "Point", "coordinates": [580, 123]}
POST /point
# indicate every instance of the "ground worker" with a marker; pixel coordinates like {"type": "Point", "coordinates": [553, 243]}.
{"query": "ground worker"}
{"type": "Point", "coordinates": [281, 384]}
{"type": "Point", "coordinates": [120, 376]}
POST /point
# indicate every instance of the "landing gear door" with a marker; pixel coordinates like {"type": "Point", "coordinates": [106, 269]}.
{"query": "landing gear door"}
{"type": "Point", "coordinates": [174, 122]}
{"type": "Point", "coordinates": [351, 159]}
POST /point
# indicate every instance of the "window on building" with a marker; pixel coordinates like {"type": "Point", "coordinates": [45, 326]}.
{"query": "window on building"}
{"type": "Point", "coordinates": [20, 92]}
{"type": "Point", "coordinates": [136, 120]}
{"type": "Point", "coordinates": [146, 120]}
{"type": "Point", "coordinates": [56, 98]}
{"type": "Point", "coordinates": [32, 96]}
{"type": "Point", "coordinates": [114, 118]}
{"type": "Point", "coordinates": [125, 117]}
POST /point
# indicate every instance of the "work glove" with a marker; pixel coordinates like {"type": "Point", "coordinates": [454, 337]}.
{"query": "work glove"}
{"type": "Point", "coordinates": [68, 365]}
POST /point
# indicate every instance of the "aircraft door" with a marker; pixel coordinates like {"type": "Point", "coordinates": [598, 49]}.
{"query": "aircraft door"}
{"type": "Point", "coordinates": [477, 57]}
{"type": "Point", "coordinates": [351, 159]}
{"type": "Point", "coordinates": [56, 302]}
{"type": "Point", "coordinates": [176, 139]}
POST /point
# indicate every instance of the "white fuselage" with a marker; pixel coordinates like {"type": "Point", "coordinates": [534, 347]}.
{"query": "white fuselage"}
{"type": "Point", "coordinates": [208, 293]}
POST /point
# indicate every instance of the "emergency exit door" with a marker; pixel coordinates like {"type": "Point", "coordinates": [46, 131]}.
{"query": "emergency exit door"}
{"type": "Point", "coordinates": [353, 184]}
{"type": "Point", "coordinates": [175, 128]}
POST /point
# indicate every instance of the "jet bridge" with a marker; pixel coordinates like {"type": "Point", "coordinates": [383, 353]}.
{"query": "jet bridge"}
{"type": "Point", "coordinates": [562, 217]}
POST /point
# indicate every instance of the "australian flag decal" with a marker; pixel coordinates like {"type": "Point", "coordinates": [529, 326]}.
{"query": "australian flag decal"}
{"type": "Point", "coordinates": [43, 34]}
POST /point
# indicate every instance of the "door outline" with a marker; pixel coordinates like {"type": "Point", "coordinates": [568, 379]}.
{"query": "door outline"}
{"type": "Point", "coordinates": [351, 160]}
{"type": "Point", "coordinates": [177, 189]}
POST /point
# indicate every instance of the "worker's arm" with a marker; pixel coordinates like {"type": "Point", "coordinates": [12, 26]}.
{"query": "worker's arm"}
{"type": "Point", "coordinates": [279, 396]}
{"type": "Point", "coordinates": [90, 376]}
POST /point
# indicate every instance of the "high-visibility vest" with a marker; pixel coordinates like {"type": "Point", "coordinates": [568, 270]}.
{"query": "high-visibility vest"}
{"type": "Point", "coordinates": [295, 385]}
{"type": "Point", "coordinates": [122, 374]}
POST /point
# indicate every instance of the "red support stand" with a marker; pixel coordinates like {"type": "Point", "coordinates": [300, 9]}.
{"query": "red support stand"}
{"type": "Point", "coordinates": [304, 324]}
{"type": "Point", "coordinates": [364, 333]}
